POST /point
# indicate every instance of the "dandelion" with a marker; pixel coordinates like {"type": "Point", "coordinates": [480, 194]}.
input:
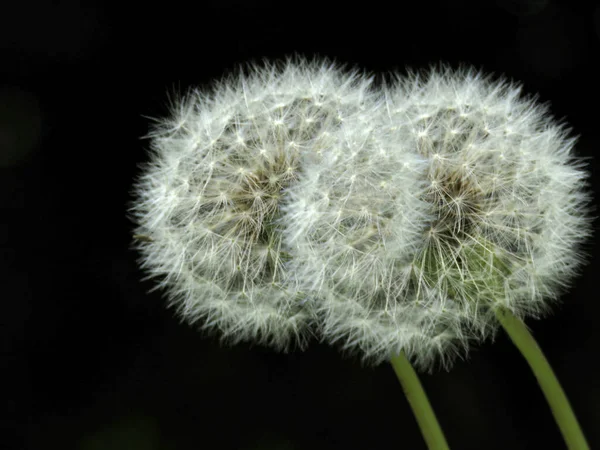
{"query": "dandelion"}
{"type": "Point", "coordinates": [463, 211]}
{"type": "Point", "coordinates": [465, 199]}
{"type": "Point", "coordinates": [209, 202]}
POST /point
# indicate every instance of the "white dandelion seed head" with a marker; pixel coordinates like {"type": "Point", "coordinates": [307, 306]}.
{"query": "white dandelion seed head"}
{"type": "Point", "coordinates": [459, 196]}
{"type": "Point", "coordinates": [211, 196]}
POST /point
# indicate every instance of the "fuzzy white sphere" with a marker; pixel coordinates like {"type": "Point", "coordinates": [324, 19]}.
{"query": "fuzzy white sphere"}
{"type": "Point", "coordinates": [210, 199]}
{"type": "Point", "coordinates": [465, 198]}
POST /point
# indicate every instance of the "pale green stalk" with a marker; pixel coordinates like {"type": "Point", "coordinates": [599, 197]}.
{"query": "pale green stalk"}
{"type": "Point", "coordinates": [430, 428]}
{"type": "Point", "coordinates": [559, 404]}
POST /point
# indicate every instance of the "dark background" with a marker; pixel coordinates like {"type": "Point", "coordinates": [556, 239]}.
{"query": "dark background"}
{"type": "Point", "coordinates": [90, 360]}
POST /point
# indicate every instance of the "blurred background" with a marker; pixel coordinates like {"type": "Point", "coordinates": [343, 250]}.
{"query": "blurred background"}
{"type": "Point", "coordinates": [90, 360]}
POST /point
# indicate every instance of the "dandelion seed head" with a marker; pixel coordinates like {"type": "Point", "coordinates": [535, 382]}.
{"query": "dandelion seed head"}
{"type": "Point", "coordinates": [211, 196]}
{"type": "Point", "coordinates": [498, 208]}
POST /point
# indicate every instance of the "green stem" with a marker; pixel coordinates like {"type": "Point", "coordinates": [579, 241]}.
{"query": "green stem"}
{"type": "Point", "coordinates": [561, 409]}
{"type": "Point", "coordinates": [430, 428]}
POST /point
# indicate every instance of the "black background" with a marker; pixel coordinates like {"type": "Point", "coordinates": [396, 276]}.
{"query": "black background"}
{"type": "Point", "coordinates": [90, 360]}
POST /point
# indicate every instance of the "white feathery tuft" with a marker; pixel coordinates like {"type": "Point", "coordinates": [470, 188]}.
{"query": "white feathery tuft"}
{"type": "Point", "coordinates": [210, 198]}
{"type": "Point", "coordinates": [492, 216]}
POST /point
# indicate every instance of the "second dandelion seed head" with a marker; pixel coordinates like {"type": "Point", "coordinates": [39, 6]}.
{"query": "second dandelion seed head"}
{"type": "Point", "coordinates": [463, 198]}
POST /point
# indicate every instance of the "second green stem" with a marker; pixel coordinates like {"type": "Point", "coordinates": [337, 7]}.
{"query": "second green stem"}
{"type": "Point", "coordinates": [559, 404]}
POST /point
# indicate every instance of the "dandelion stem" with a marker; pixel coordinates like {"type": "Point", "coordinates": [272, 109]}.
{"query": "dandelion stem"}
{"type": "Point", "coordinates": [559, 404]}
{"type": "Point", "coordinates": [430, 428]}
